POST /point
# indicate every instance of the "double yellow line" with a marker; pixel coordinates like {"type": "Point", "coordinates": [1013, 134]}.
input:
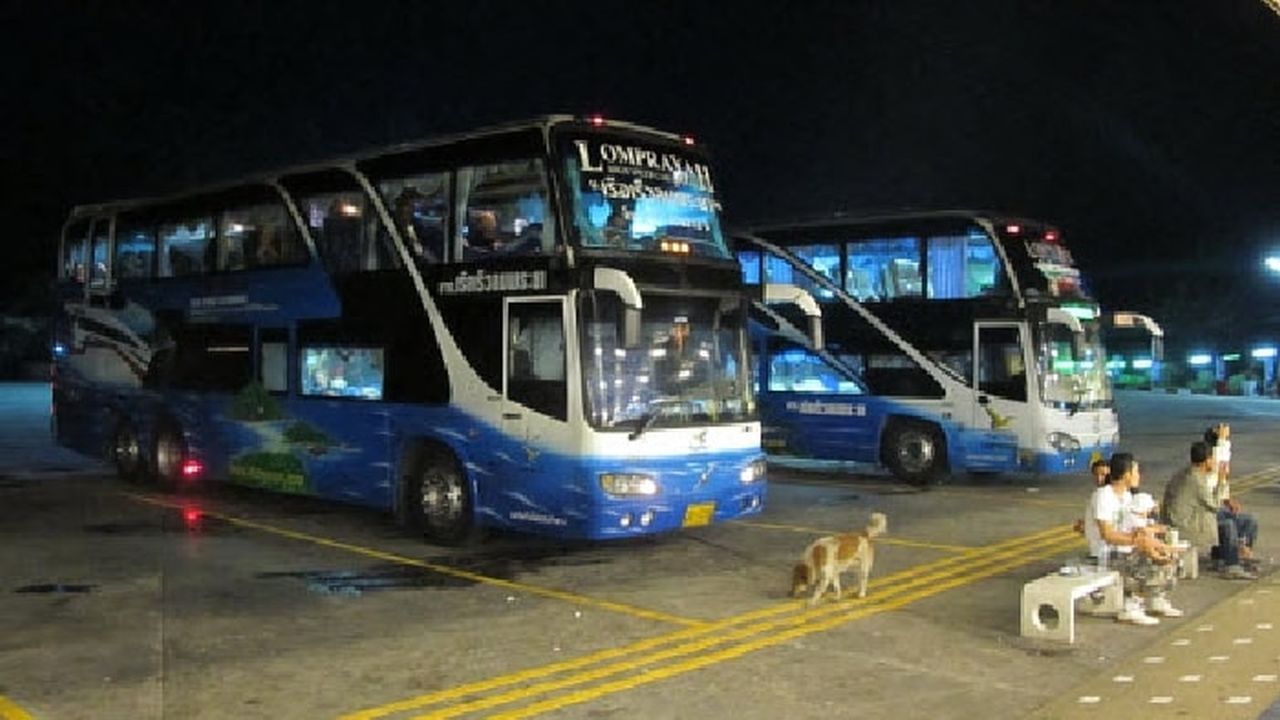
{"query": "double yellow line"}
{"type": "Point", "coordinates": [686, 650]}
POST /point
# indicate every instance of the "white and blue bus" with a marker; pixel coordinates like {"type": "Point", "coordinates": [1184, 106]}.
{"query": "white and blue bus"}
{"type": "Point", "coordinates": [537, 327]}
{"type": "Point", "coordinates": [951, 342]}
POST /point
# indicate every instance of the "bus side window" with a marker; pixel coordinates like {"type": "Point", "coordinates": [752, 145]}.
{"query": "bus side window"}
{"type": "Point", "coordinates": [1001, 370]}
{"type": "Point", "coordinates": [135, 248]}
{"type": "Point", "coordinates": [502, 210]}
{"type": "Point", "coordinates": [419, 206]}
{"type": "Point", "coordinates": [536, 357]}
{"type": "Point", "coordinates": [186, 246]}
{"type": "Point", "coordinates": [258, 236]}
{"type": "Point", "coordinates": [75, 251]}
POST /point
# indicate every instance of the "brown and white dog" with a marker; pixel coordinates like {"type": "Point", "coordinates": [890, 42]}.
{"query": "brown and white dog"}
{"type": "Point", "coordinates": [827, 557]}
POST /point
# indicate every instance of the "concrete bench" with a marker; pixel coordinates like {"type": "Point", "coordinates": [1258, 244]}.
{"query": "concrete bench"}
{"type": "Point", "coordinates": [1188, 561]}
{"type": "Point", "coordinates": [1049, 603]}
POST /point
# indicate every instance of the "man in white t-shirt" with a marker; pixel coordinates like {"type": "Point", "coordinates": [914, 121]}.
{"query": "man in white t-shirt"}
{"type": "Point", "coordinates": [1136, 553]}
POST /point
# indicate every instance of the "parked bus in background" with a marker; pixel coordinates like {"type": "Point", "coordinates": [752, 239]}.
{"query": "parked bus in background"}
{"type": "Point", "coordinates": [954, 341]}
{"type": "Point", "coordinates": [1135, 346]}
{"type": "Point", "coordinates": [537, 327]}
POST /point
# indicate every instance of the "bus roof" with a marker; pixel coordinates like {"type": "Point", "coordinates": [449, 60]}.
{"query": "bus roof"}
{"type": "Point", "coordinates": [544, 123]}
{"type": "Point", "coordinates": [885, 217]}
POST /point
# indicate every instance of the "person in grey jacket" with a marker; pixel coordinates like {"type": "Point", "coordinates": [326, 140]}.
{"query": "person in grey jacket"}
{"type": "Point", "coordinates": [1188, 504]}
{"type": "Point", "coordinates": [1191, 507]}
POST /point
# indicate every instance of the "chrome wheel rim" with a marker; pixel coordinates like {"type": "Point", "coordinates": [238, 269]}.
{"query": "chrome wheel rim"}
{"type": "Point", "coordinates": [915, 451]}
{"type": "Point", "coordinates": [442, 498]}
{"type": "Point", "coordinates": [127, 451]}
{"type": "Point", "coordinates": [168, 456]}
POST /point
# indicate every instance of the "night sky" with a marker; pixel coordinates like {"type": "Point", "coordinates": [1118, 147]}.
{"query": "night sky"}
{"type": "Point", "coordinates": [1149, 131]}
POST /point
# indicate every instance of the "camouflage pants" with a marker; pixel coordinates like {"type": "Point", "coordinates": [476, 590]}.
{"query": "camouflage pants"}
{"type": "Point", "coordinates": [1144, 577]}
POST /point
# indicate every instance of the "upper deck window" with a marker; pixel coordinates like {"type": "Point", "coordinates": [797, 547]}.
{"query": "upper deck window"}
{"type": "Point", "coordinates": [823, 258]}
{"type": "Point", "coordinates": [186, 246]}
{"type": "Point", "coordinates": [419, 206]}
{"type": "Point", "coordinates": [630, 195]}
{"type": "Point", "coordinates": [346, 232]}
{"type": "Point", "coordinates": [135, 248]}
{"type": "Point", "coordinates": [502, 210]}
{"type": "Point", "coordinates": [884, 269]}
{"type": "Point", "coordinates": [258, 236]}
{"type": "Point", "coordinates": [75, 251]}
{"type": "Point", "coordinates": [962, 266]}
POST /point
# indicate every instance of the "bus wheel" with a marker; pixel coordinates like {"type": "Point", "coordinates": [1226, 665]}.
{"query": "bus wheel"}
{"type": "Point", "coordinates": [438, 498]}
{"type": "Point", "coordinates": [169, 451]}
{"type": "Point", "coordinates": [126, 452]}
{"type": "Point", "coordinates": [914, 452]}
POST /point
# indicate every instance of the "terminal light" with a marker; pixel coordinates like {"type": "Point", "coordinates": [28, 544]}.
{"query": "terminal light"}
{"type": "Point", "coordinates": [1263, 352]}
{"type": "Point", "coordinates": [1199, 359]}
{"type": "Point", "coordinates": [1142, 363]}
{"type": "Point", "coordinates": [1273, 263]}
{"type": "Point", "coordinates": [1231, 357]}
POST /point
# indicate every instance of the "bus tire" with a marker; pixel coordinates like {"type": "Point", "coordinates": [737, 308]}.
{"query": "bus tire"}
{"type": "Point", "coordinates": [168, 452]}
{"type": "Point", "coordinates": [126, 452]}
{"type": "Point", "coordinates": [437, 497]}
{"type": "Point", "coordinates": [915, 452]}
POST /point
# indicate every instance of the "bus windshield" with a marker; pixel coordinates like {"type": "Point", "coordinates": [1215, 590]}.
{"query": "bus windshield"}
{"type": "Point", "coordinates": [689, 366]}
{"type": "Point", "coordinates": [639, 196]}
{"type": "Point", "coordinates": [1073, 366]}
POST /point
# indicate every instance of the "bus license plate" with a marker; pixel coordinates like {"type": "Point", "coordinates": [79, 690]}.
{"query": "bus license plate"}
{"type": "Point", "coordinates": [699, 514]}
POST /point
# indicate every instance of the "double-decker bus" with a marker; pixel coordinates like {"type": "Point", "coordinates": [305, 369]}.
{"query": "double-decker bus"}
{"type": "Point", "coordinates": [537, 327]}
{"type": "Point", "coordinates": [1135, 343]}
{"type": "Point", "coordinates": [952, 341]}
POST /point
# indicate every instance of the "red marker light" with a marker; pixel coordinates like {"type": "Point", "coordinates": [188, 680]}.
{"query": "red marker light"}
{"type": "Point", "coordinates": [688, 139]}
{"type": "Point", "coordinates": [596, 120]}
{"type": "Point", "coordinates": [1051, 235]}
{"type": "Point", "coordinates": [191, 469]}
{"type": "Point", "coordinates": [191, 516]}
{"type": "Point", "coordinates": [1013, 229]}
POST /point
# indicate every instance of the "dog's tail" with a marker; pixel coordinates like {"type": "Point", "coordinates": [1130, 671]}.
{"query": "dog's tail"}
{"type": "Point", "coordinates": [878, 525]}
{"type": "Point", "coordinates": [801, 577]}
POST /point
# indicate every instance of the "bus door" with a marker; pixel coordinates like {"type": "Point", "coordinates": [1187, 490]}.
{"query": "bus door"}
{"type": "Point", "coordinates": [1000, 377]}
{"type": "Point", "coordinates": [535, 393]}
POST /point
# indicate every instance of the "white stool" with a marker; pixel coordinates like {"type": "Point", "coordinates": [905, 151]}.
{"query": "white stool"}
{"type": "Point", "coordinates": [1059, 593]}
{"type": "Point", "coordinates": [1188, 561]}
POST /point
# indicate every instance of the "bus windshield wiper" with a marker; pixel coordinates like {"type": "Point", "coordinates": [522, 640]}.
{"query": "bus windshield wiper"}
{"type": "Point", "coordinates": [646, 421]}
{"type": "Point", "coordinates": [649, 418]}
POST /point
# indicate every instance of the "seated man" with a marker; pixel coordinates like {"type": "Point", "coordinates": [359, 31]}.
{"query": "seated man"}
{"type": "Point", "coordinates": [1189, 505]}
{"type": "Point", "coordinates": [1142, 560]}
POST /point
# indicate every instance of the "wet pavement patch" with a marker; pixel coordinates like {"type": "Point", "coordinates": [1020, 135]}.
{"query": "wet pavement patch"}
{"type": "Point", "coordinates": [505, 564]}
{"type": "Point", "coordinates": [357, 582]}
{"type": "Point", "coordinates": [54, 588]}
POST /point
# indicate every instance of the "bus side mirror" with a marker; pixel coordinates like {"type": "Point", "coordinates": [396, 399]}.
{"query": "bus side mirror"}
{"type": "Point", "coordinates": [619, 282]}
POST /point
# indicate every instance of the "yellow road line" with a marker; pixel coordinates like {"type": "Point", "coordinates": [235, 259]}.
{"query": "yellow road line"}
{"type": "Point", "coordinates": [563, 595]}
{"type": "Point", "coordinates": [789, 606]}
{"type": "Point", "coordinates": [882, 540]}
{"type": "Point", "coordinates": [9, 710]}
{"type": "Point", "coordinates": [769, 635]}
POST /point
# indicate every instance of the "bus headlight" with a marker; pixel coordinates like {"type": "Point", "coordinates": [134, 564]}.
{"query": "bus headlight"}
{"type": "Point", "coordinates": [1063, 443]}
{"type": "Point", "coordinates": [628, 484]}
{"type": "Point", "coordinates": [755, 471]}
